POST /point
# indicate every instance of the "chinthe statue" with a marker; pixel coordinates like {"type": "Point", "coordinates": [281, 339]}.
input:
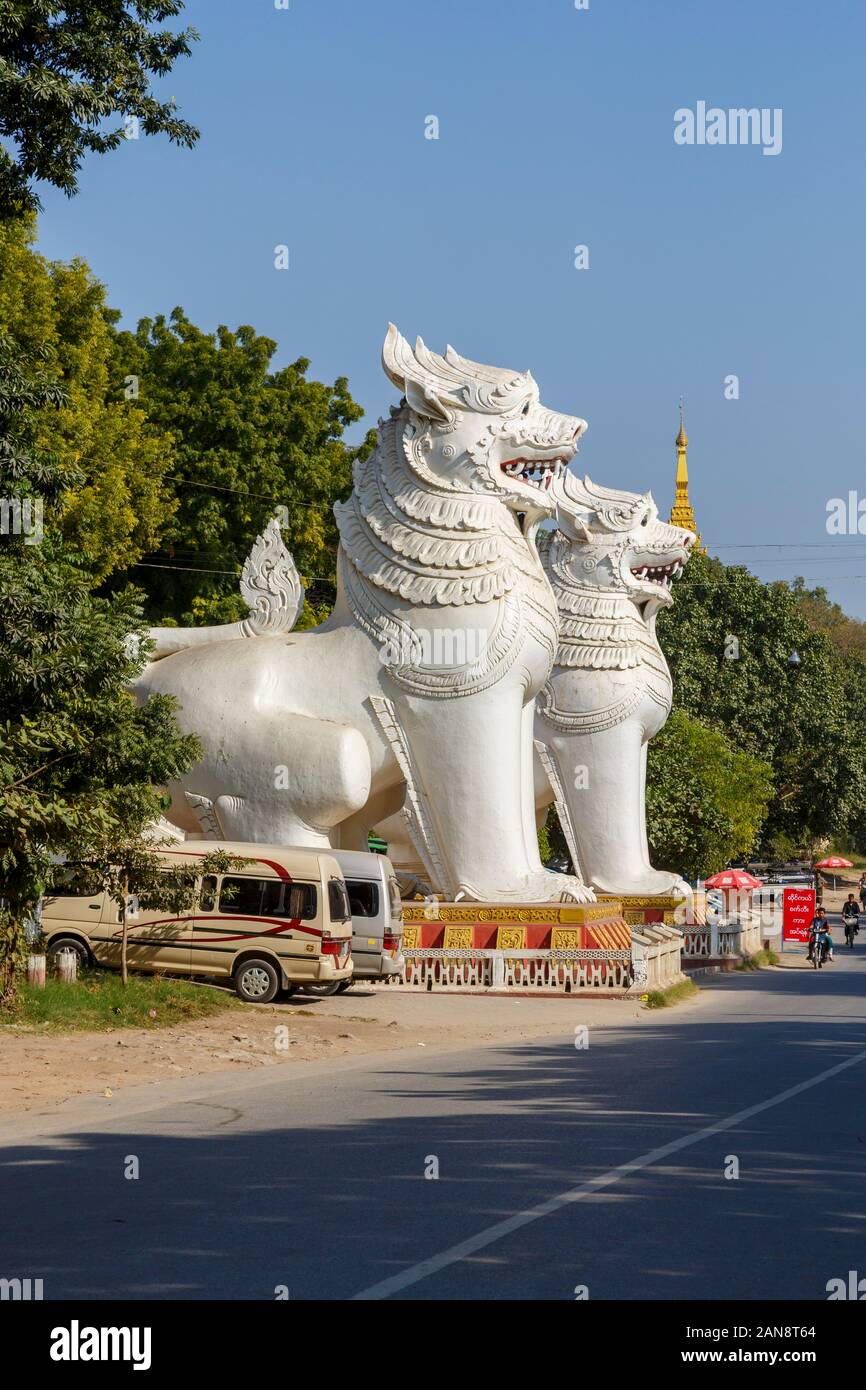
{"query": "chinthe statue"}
{"type": "Point", "coordinates": [611, 563]}
{"type": "Point", "coordinates": [419, 690]}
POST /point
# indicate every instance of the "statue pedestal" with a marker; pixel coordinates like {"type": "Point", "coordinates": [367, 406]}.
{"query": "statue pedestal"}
{"type": "Point", "coordinates": [495, 927]}
{"type": "Point", "coordinates": [551, 948]}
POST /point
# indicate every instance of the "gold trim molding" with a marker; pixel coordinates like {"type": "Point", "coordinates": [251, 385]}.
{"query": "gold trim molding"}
{"type": "Point", "coordinates": [555, 914]}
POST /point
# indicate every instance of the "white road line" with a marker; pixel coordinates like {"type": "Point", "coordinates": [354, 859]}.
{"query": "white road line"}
{"type": "Point", "coordinates": [455, 1253]}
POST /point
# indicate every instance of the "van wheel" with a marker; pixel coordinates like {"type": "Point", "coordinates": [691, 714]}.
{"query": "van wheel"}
{"type": "Point", "coordinates": [72, 943]}
{"type": "Point", "coordinates": [256, 981]}
{"type": "Point", "coordinates": [322, 991]}
{"type": "Point", "coordinates": [344, 985]}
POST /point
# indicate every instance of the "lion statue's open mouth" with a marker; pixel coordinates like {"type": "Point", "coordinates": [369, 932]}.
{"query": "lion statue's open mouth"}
{"type": "Point", "coordinates": [663, 575]}
{"type": "Point", "coordinates": [539, 472]}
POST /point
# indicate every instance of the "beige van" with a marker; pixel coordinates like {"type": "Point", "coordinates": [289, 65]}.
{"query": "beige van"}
{"type": "Point", "coordinates": [283, 922]}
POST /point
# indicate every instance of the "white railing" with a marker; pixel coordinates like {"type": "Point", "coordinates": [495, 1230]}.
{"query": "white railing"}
{"type": "Point", "coordinates": [725, 940]}
{"type": "Point", "coordinates": [477, 968]}
{"type": "Point", "coordinates": [654, 962]}
{"type": "Point", "coordinates": [657, 956]}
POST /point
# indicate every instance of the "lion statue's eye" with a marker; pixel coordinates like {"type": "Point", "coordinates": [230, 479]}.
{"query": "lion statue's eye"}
{"type": "Point", "coordinates": [645, 521]}
{"type": "Point", "coordinates": [527, 407]}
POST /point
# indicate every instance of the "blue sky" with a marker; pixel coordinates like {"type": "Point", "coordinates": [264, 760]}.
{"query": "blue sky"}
{"type": "Point", "coordinates": [555, 129]}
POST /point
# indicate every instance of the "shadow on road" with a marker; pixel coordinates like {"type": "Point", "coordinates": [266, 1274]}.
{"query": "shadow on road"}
{"type": "Point", "coordinates": [321, 1186]}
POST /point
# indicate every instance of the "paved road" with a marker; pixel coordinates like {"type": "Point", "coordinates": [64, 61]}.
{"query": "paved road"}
{"type": "Point", "coordinates": [315, 1180]}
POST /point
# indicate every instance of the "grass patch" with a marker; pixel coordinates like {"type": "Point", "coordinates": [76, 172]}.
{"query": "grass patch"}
{"type": "Point", "coordinates": [760, 960]}
{"type": "Point", "coordinates": [674, 994]}
{"type": "Point", "coordinates": [97, 1002]}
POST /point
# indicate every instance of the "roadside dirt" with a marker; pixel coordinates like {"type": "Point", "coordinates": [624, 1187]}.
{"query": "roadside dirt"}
{"type": "Point", "coordinates": [39, 1070]}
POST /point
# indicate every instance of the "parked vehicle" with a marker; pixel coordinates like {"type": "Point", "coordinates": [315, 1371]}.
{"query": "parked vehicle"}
{"type": "Point", "coordinates": [377, 918]}
{"type": "Point", "coordinates": [282, 921]}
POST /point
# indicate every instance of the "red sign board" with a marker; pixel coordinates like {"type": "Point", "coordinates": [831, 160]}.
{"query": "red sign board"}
{"type": "Point", "coordinates": [797, 912]}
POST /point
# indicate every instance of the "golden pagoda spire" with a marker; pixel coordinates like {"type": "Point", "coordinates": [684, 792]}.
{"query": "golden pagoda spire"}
{"type": "Point", "coordinates": [681, 512]}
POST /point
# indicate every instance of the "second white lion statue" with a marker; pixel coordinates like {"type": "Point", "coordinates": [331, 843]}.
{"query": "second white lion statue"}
{"type": "Point", "coordinates": [611, 563]}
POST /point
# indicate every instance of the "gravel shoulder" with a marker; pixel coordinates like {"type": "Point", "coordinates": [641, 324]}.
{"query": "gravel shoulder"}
{"type": "Point", "coordinates": [42, 1072]}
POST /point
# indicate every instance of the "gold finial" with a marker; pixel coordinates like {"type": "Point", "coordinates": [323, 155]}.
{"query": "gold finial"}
{"type": "Point", "coordinates": [682, 437]}
{"type": "Point", "coordinates": [681, 513]}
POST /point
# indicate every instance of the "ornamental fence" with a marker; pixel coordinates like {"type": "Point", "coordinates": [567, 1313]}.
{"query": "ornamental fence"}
{"type": "Point", "coordinates": [730, 940]}
{"type": "Point", "coordinates": [654, 962]}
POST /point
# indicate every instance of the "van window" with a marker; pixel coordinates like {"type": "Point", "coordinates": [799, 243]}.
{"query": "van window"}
{"type": "Point", "coordinates": [76, 881]}
{"type": "Point", "coordinates": [268, 897]}
{"type": "Point", "coordinates": [338, 902]}
{"type": "Point", "coordinates": [363, 897]}
{"type": "Point", "coordinates": [207, 896]}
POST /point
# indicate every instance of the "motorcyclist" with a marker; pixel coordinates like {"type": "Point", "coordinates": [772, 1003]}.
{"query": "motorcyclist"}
{"type": "Point", "coordinates": [851, 919]}
{"type": "Point", "coordinates": [819, 937]}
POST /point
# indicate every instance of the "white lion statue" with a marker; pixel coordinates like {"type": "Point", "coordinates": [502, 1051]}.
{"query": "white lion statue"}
{"type": "Point", "coordinates": [419, 690]}
{"type": "Point", "coordinates": [611, 563]}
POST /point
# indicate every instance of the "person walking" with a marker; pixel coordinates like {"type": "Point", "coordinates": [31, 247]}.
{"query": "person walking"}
{"type": "Point", "coordinates": [862, 887]}
{"type": "Point", "coordinates": [850, 919]}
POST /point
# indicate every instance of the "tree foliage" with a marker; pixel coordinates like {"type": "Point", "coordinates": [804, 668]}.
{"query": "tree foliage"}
{"type": "Point", "coordinates": [116, 505]}
{"type": "Point", "coordinates": [248, 441]}
{"type": "Point", "coordinates": [847, 634]}
{"type": "Point", "coordinates": [706, 802]}
{"type": "Point", "coordinates": [66, 71]}
{"type": "Point", "coordinates": [137, 878]}
{"type": "Point", "coordinates": [746, 663]}
{"type": "Point", "coordinates": [80, 762]}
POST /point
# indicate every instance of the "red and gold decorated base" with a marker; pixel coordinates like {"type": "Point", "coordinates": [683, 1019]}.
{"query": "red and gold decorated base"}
{"type": "Point", "coordinates": [642, 911]}
{"type": "Point", "coordinates": [532, 926]}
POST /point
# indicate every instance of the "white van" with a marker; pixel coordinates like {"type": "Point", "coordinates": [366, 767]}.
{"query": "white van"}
{"type": "Point", "coordinates": [282, 921]}
{"type": "Point", "coordinates": [377, 918]}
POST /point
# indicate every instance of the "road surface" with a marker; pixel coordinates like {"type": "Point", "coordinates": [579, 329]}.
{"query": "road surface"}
{"type": "Point", "coordinates": [558, 1167]}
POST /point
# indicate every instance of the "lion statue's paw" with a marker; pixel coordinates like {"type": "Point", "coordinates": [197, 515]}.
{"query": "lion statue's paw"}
{"type": "Point", "coordinates": [558, 888]}
{"type": "Point", "coordinates": [652, 883]}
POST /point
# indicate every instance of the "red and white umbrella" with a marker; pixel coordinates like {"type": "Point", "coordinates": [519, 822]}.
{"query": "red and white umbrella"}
{"type": "Point", "coordinates": [835, 861]}
{"type": "Point", "coordinates": [732, 879]}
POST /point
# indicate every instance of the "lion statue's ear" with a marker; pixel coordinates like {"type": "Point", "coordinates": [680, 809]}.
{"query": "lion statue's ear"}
{"type": "Point", "coordinates": [574, 526]}
{"type": "Point", "coordinates": [410, 376]}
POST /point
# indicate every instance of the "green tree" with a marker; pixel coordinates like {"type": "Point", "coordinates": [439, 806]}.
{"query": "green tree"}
{"type": "Point", "coordinates": [80, 762]}
{"type": "Point", "coordinates": [66, 70]}
{"type": "Point", "coordinates": [119, 506]}
{"type": "Point", "coordinates": [706, 802]}
{"type": "Point", "coordinates": [847, 634]}
{"type": "Point", "coordinates": [249, 441]}
{"type": "Point", "coordinates": [745, 662]}
{"type": "Point", "coordinates": [134, 875]}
